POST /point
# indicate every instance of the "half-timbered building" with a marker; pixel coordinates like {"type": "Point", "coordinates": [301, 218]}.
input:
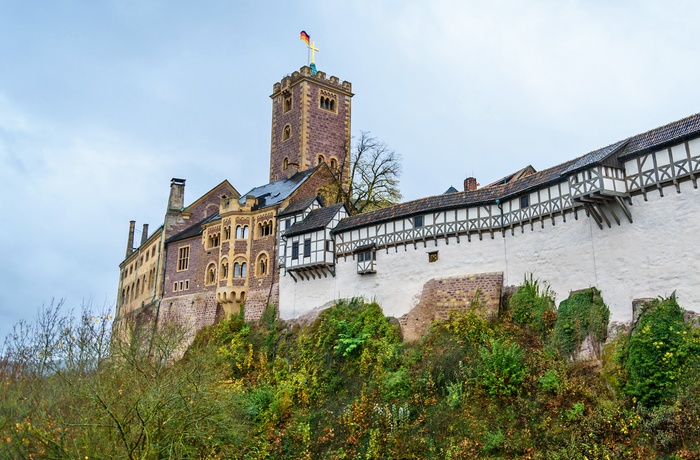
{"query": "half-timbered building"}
{"type": "Point", "coordinates": [622, 218]}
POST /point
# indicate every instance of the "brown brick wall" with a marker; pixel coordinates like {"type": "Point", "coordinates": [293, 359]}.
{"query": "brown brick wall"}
{"type": "Point", "coordinates": [440, 295]}
{"type": "Point", "coordinates": [314, 130]}
{"type": "Point", "coordinates": [195, 273]}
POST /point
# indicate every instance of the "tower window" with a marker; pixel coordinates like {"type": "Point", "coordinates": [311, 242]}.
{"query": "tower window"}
{"type": "Point", "coordinates": [334, 164]}
{"type": "Point", "coordinates": [321, 159]}
{"type": "Point", "coordinates": [286, 132]}
{"type": "Point", "coordinates": [287, 104]}
{"type": "Point", "coordinates": [285, 163]}
{"type": "Point", "coordinates": [327, 101]}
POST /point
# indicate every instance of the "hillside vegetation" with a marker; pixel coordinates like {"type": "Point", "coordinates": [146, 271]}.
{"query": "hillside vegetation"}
{"type": "Point", "coordinates": [346, 387]}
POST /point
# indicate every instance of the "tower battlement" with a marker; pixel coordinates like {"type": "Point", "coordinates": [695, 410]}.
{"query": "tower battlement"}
{"type": "Point", "coordinates": [306, 73]}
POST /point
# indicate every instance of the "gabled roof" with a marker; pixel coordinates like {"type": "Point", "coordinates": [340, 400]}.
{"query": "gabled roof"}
{"type": "Point", "coordinates": [655, 138]}
{"type": "Point", "coordinates": [450, 190]}
{"type": "Point", "coordinates": [201, 198]}
{"type": "Point", "coordinates": [595, 157]}
{"type": "Point", "coordinates": [193, 230]}
{"type": "Point", "coordinates": [519, 174]}
{"type": "Point", "coordinates": [275, 192]}
{"type": "Point", "coordinates": [316, 220]}
{"type": "Point", "coordinates": [299, 206]}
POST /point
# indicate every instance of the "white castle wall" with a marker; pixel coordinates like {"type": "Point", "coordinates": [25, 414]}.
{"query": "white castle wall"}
{"type": "Point", "coordinates": [653, 256]}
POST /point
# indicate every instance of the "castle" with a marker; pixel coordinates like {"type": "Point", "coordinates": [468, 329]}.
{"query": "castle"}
{"type": "Point", "coordinates": [622, 218]}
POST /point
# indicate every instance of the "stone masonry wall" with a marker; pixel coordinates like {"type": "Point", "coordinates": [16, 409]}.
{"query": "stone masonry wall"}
{"type": "Point", "coordinates": [440, 295]}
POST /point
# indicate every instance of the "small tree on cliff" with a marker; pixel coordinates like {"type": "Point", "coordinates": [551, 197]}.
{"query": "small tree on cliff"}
{"type": "Point", "coordinates": [373, 181]}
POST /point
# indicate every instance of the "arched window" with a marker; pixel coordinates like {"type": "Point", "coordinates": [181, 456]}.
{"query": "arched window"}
{"type": "Point", "coordinates": [321, 159]}
{"type": "Point", "coordinates": [332, 105]}
{"type": "Point", "coordinates": [211, 274]}
{"type": "Point", "coordinates": [286, 132]}
{"type": "Point", "coordinates": [227, 233]}
{"type": "Point", "coordinates": [236, 270]}
{"type": "Point", "coordinates": [239, 232]}
{"type": "Point", "coordinates": [287, 104]}
{"type": "Point", "coordinates": [334, 164]}
{"type": "Point", "coordinates": [245, 232]}
{"type": "Point", "coordinates": [262, 265]}
{"type": "Point", "coordinates": [285, 163]}
{"type": "Point", "coordinates": [224, 270]}
{"type": "Point", "coordinates": [244, 270]}
{"type": "Point", "coordinates": [138, 287]}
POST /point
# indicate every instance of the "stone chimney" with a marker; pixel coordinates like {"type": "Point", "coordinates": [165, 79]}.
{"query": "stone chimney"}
{"type": "Point", "coordinates": [176, 201]}
{"type": "Point", "coordinates": [470, 184]}
{"type": "Point", "coordinates": [144, 234]}
{"type": "Point", "coordinates": [130, 241]}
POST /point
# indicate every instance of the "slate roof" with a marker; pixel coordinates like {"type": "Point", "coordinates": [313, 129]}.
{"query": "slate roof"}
{"type": "Point", "coordinates": [450, 190]}
{"type": "Point", "coordinates": [636, 144]}
{"type": "Point", "coordinates": [276, 192]}
{"type": "Point", "coordinates": [298, 206]}
{"type": "Point", "coordinates": [595, 156]}
{"type": "Point", "coordinates": [193, 230]}
{"type": "Point", "coordinates": [316, 220]}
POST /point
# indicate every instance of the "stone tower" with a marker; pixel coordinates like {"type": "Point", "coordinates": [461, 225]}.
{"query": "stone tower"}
{"type": "Point", "coordinates": [310, 123]}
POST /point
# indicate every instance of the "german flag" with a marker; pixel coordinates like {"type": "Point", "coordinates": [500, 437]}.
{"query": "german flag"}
{"type": "Point", "coordinates": [304, 36]}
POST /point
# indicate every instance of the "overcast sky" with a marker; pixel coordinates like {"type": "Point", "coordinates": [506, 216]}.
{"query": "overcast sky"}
{"type": "Point", "coordinates": [101, 103]}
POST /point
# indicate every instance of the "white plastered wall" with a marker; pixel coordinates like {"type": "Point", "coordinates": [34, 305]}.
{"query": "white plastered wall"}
{"type": "Point", "coordinates": [655, 255]}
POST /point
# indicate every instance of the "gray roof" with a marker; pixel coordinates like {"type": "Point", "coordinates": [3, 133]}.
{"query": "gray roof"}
{"type": "Point", "coordinates": [316, 220]}
{"type": "Point", "coordinates": [274, 193]}
{"type": "Point", "coordinates": [450, 190]}
{"type": "Point", "coordinates": [595, 156]}
{"type": "Point", "coordinates": [193, 230]}
{"type": "Point", "coordinates": [299, 206]}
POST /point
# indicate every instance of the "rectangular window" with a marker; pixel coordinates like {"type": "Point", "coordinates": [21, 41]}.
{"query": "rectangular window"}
{"type": "Point", "coordinates": [287, 223]}
{"type": "Point", "coordinates": [295, 250]}
{"type": "Point", "coordinates": [175, 286]}
{"type": "Point", "coordinates": [524, 201]}
{"type": "Point", "coordinates": [329, 245]}
{"type": "Point", "coordinates": [365, 262]}
{"type": "Point", "coordinates": [433, 256]}
{"type": "Point", "coordinates": [307, 248]}
{"type": "Point", "coordinates": [187, 284]}
{"type": "Point", "coordinates": [418, 221]}
{"type": "Point", "coordinates": [183, 258]}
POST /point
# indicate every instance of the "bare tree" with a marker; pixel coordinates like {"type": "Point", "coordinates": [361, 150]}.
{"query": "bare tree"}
{"type": "Point", "coordinates": [373, 181]}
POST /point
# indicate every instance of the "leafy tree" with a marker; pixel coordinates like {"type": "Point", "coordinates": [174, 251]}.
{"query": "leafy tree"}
{"type": "Point", "coordinates": [373, 181]}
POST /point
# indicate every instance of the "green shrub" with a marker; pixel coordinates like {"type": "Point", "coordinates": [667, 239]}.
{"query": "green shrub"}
{"type": "Point", "coordinates": [533, 306]}
{"type": "Point", "coordinates": [657, 352]}
{"type": "Point", "coordinates": [584, 313]}
{"type": "Point", "coordinates": [501, 370]}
